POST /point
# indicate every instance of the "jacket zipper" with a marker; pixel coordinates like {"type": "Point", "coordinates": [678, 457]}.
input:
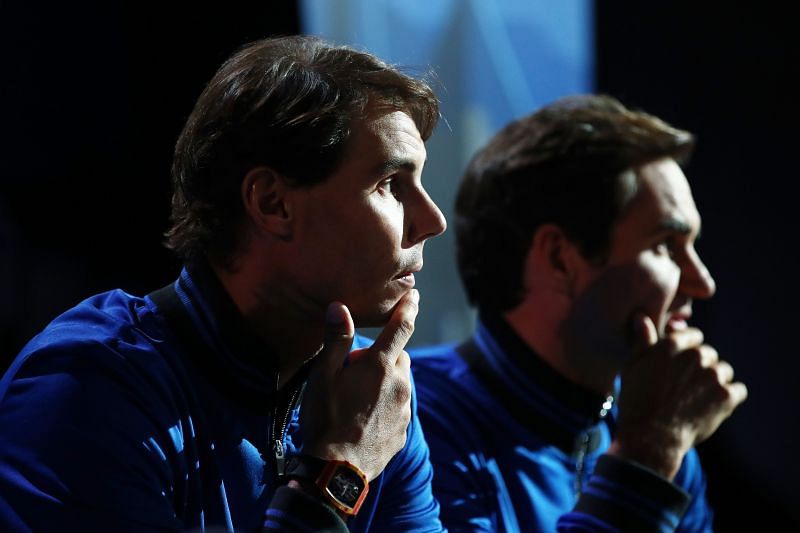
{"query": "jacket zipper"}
{"type": "Point", "coordinates": [278, 448]}
{"type": "Point", "coordinates": [579, 462]}
{"type": "Point", "coordinates": [585, 442]}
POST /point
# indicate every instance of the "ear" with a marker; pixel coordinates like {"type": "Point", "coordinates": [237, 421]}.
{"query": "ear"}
{"type": "Point", "coordinates": [554, 261]}
{"type": "Point", "coordinates": [264, 195]}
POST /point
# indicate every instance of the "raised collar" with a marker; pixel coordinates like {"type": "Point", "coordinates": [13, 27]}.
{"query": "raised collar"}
{"type": "Point", "coordinates": [238, 362]}
{"type": "Point", "coordinates": [541, 397]}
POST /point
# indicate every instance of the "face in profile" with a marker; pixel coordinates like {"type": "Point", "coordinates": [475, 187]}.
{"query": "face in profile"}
{"type": "Point", "coordinates": [652, 267]}
{"type": "Point", "coordinates": [361, 232]}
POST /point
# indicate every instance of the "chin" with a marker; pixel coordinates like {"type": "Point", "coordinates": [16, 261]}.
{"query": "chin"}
{"type": "Point", "coordinates": [372, 316]}
{"type": "Point", "coordinates": [374, 309]}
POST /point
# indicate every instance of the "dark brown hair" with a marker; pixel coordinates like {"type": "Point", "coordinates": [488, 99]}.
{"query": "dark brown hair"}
{"type": "Point", "coordinates": [564, 164]}
{"type": "Point", "coordinates": [286, 103]}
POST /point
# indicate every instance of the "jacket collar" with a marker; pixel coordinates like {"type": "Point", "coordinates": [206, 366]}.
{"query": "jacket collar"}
{"type": "Point", "coordinates": [565, 412]}
{"type": "Point", "coordinates": [237, 360]}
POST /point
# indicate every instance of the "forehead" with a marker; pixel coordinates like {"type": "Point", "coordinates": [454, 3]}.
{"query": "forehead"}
{"type": "Point", "coordinates": [384, 140]}
{"type": "Point", "coordinates": [665, 189]}
{"type": "Point", "coordinates": [663, 200]}
{"type": "Point", "coordinates": [391, 125]}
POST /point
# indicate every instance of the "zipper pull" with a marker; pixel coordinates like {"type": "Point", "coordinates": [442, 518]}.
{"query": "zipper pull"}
{"type": "Point", "coordinates": [280, 457]}
{"type": "Point", "coordinates": [582, 450]}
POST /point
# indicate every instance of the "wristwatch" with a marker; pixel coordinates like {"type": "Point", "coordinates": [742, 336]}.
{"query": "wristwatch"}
{"type": "Point", "coordinates": [342, 484]}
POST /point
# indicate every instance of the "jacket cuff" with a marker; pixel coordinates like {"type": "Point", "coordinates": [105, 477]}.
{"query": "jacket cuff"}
{"type": "Point", "coordinates": [624, 495]}
{"type": "Point", "coordinates": [294, 510]}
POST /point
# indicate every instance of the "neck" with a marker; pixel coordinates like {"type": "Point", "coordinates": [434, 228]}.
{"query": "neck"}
{"type": "Point", "coordinates": [541, 328]}
{"type": "Point", "coordinates": [293, 332]}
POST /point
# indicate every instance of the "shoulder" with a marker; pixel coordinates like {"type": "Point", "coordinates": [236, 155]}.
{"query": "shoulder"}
{"type": "Point", "coordinates": [111, 344]}
{"type": "Point", "coordinates": [113, 321]}
{"type": "Point", "coordinates": [92, 410]}
{"type": "Point", "coordinates": [443, 379]}
{"type": "Point", "coordinates": [452, 401]}
{"type": "Point", "coordinates": [439, 362]}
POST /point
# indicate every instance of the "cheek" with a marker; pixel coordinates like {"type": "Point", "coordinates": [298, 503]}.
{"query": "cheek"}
{"type": "Point", "coordinates": [369, 243]}
{"type": "Point", "coordinates": [657, 284]}
{"type": "Point", "coordinates": [381, 225]}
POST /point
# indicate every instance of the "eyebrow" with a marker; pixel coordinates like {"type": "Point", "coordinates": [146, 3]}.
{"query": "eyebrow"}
{"type": "Point", "coordinates": [394, 164]}
{"type": "Point", "coordinates": [679, 226]}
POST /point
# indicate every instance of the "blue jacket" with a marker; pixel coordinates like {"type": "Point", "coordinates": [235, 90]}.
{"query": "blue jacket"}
{"type": "Point", "coordinates": [109, 423]}
{"type": "Point", "coordinates": [513, 445]}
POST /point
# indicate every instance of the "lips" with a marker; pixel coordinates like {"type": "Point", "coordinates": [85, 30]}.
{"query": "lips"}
{"type": "Point", "coordinates": [407, 276]}
{"type": "Point", "coordinates": [679, 321]}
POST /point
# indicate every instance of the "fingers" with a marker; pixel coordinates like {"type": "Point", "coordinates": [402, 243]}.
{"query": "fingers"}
{"type": "Point", "coordinates": [339, 332]}
{"type": "Point", "coordinates": [738, 393]}
{"type": "Point", "coordinates": [679, 341]}
{"type": "Point", "coordinates": [709, 358]}
{"type": "Point", "coordinates": [643, 333]}
{"type": "Point", "coordinates": [723, 370]}
{"type": "Point", "coordinates": [395, 335]}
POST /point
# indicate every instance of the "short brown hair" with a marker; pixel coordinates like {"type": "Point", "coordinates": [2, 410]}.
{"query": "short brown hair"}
{"type": "Point", "coordinates": [287, 103]}
{"type": "Point", "coordinates": [562, 165]}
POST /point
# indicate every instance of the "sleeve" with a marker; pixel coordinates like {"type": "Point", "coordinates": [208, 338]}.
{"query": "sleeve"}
{"type": "Point", "coordinates": [462, 482]}
{"type": "Point", "coordinates": [288, 505]}
{"type": "Point", "coordinates": [406, 500]}
{"type": "Point", "coordinates": [699, 516]}
{"type": "Point", "coordinates": [77, 452]}
{"type": "Point", "coordinates": [624, 496]}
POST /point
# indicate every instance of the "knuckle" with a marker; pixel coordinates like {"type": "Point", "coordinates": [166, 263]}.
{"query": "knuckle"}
{"type": "Point", "coordinates": [401, 440]}
{"type": "Point", "coordinates": [711, 355]}
{"type": "Point", "coordinates": [725, 370]}
{"type": "Point", "coordinates": [384, 370]}
{"type": "Point", "coordinates": [357, 433]}
{"type": "Point", "coordinates": [711, 374]}
{"type": "Point", "coordinates": [402, 392]}
{"type": "Point", "coordinates": [699, 336]}
{"type": "Point", "coordinates": [404, 360]}
{"type": "Point", "coordinates": [406, 325]}
{"type": "Point", "coordinates": [412, 305]}
{"type": "Point", "coordinates": [693, 356]}
{"type": "Point", "coordinates": [724, 395]}
{"type": "Point", "coordinates": [406, 416]}
{"type": "Point", "coordinates": [671, 343]}
{"type": "Point", "coordinates": [742, 390]}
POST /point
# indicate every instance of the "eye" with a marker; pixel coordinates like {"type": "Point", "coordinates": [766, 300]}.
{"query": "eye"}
{"type": "Point", "coordinates": [389, 186]}
{"type": "Point", "coordinates": [667, 246]}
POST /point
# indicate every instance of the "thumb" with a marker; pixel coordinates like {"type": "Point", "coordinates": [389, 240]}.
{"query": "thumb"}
{"type": "Point", "coordinates": [338, 339]}
{"type": "Point", "coordinates": [643, 334]}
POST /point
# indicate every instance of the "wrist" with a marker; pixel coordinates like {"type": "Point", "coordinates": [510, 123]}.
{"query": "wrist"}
{"type": "Point", "coordinates": [653, 454]}
{"type": "Point", "coordinates": [339, 484]}
{"type": "Point", "coordinates": [310, 488]}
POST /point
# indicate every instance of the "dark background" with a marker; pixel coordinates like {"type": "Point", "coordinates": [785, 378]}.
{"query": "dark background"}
{"type": "Point", "coordinates": [728, 75]}
{"type": "Point", "coordinates": [94, 96]}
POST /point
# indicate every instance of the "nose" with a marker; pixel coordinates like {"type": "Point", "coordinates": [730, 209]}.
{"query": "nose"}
{"type": "Point", "coordinates": [425, 219]}
{"type": "Point", "coordinates": [696, 280]}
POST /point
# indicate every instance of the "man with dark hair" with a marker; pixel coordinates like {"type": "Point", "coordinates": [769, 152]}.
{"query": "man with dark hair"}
{"type": "Point", "coordinates": [299, 210]}
{"type": "Point", "coordinates": [575, 235]}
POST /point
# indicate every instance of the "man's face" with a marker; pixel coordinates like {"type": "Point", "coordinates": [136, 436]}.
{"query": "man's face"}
{"type": "Point", "coordinates": [360, 233]}
{"type": "Point", "coordinates": [652, 267]}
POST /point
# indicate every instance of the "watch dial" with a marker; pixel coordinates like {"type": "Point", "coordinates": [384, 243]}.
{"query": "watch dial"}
{"type": "Point", "coordinates": [346, 486]}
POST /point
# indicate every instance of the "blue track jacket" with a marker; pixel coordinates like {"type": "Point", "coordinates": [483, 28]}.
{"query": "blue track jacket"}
{"type": "Point", "coordinates": [514, 445]}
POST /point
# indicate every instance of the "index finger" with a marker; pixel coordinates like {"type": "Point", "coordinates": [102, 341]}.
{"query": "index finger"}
{"type": "Point", "coordinates": [395, 335]}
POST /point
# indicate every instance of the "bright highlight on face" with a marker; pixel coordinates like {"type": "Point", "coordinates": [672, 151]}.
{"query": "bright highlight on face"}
{"type": "Point", "coordinates": [652, 266]}
{"type": "Point", "coordinates": [361, 232]}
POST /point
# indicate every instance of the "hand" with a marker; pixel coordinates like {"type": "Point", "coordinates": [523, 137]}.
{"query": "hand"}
{"type": "Point", "coordinates": [675, 394]}
{"type": "Point", "coordinates": [597, 331]}
{"type": "Point", "coordinates": [360, 412]}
